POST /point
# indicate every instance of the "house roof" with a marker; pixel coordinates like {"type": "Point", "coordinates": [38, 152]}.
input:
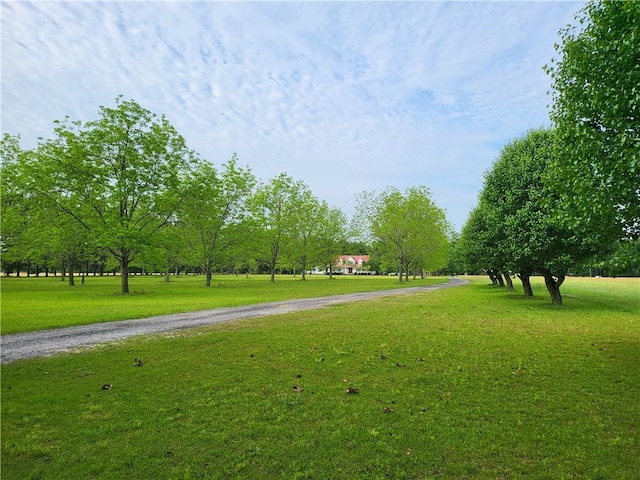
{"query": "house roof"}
{"type": "Point", "coordinates": [356, 259]}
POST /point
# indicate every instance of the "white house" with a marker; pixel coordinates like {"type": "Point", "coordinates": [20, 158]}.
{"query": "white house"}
{"type": "Point", "coordinates": [351, 264]}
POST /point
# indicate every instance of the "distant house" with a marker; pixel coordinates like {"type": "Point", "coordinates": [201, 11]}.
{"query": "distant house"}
{"type": "Point", "coordinates": [351, 264]}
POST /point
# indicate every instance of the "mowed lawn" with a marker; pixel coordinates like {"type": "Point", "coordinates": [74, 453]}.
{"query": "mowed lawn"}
{"type": "Point", "coordinates": [30, 304]}
{"type": "Point", "coordinates": [469, 382]}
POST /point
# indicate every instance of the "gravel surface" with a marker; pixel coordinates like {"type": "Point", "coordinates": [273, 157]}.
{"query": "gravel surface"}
{"type": "Point", "coordinates": [48, 342]}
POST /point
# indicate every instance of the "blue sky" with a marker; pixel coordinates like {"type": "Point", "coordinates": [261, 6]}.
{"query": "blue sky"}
{"type": "Point", "coordinates": [346, 96]}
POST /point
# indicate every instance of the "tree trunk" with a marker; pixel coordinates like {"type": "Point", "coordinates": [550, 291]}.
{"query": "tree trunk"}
{"type": "Point", "coordinates": [553, 286]}
{"type": "Point", "coordinates": [124, 273]}
{"type": "Point", "coordinates": [499, 279]}
{"type": "Point", "coordinates": [72, 281]}
{"type": "Point", "coordinates": [492, 277]}
{"type": "Point", "coordinates": [304, 268]}
{"type": "Point", "coordinates": [273, 262]}
{"type": "Point", "coordinates": [208, 273]}
{"type": "Point", "coordinates": [507, 279]}
{"type": "Point", "coordinates": [525, 278]}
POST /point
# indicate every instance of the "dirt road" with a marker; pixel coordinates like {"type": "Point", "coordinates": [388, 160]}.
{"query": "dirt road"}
{"type": "Point", "coordinates": [48, 342]}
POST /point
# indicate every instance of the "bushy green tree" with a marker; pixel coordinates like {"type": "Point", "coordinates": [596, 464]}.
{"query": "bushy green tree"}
{"type": "Point", "coordinates": [530, 237]}
{"type": "Point", "coordinates": [407, 229]}
{"type": "Point", "coordinates": [16, 205]}
{"type": "Point", "coordinates": [596, 112]}
{"type": "Point", "coordinates": [305, 226]}
{"type": "Point", "coordinates": [275, 209]}
{"type": "Point", "coordinates": [213, 209]}
{"type": "Point", "coordinates": [478, 247]}
{"type": "Point", "coordinates": [330, 237]}
{"type": "Point", "coordinates": [120, 177]}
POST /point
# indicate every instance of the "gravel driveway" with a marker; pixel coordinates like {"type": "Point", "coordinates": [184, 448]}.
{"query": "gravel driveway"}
{"type": "Point", "coordinates": [48, 342]}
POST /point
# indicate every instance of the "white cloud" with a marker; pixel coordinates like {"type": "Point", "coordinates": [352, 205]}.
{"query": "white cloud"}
{"type": "Point", "coordinates": [345, 96]}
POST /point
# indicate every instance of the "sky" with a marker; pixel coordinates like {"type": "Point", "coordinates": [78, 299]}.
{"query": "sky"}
{"type": "Point", "coordinates": [345, 96]}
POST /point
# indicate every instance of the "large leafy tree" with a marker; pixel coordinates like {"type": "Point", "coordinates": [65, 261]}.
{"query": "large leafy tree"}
{"type": "Point", "coordinates": [16, 205]}
{"type": "Point", "coordinates": [330, 237]}
{"type": "Point", "coordinates": [121, 177]}
{"type": "Point", "coordinates": [596, 111]}
{"type": "Point", "coordinates": [303, 247]}
{"type": "Point", "coordinates": [214, 208]}
{"type": "Point", "coordinates": [429, 244]}
{"type": "Point", "coordinates": [275, 208]}
{"type": "Point", "coordinates": [407, 228]}
{"type": "Point", "coordinates": [478, 247]}
{"type": "Point", "coordinates": [26, 221]}
{"type": "Point", "coordinates": [532, 238]}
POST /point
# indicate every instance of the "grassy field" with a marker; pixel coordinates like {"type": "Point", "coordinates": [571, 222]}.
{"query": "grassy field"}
{"type": "Point", "coordinates": [30, 304]}
{"type": "Point", "coordinates": [470, 382]}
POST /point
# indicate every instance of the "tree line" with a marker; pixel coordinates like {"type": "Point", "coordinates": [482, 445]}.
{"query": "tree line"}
{"type": "Point", "coordinates": [559, 199]}
{"type": "Point", "coordinates": [569, 196]}
{"type": "Point", "coordinates": [126, 189]}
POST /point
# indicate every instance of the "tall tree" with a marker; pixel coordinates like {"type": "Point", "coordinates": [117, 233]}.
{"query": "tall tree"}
{"type": "Point", "coordinates": [304, 230]}
{"type": "Point", "coordinates": [596, 111]}
{"type": "Point", "coordinates": [478, 247]}
{"type": "Point", "coordinates": [214, 206]}
{"type": "Point", "coordinates": [275, 208]}
{"type": "Point", "coordinates": [121, 177]}
{"type": "Point", "coordinates": [533, 238]}
{"type": "Point", "coordinates": [428, 246]}
{"type": "Point", "coordinates": [170, 250]}
{"type": "Point", "coordinates": [331, 236]}
{"type": "Point", "coordinates": [408, 229]}
{"type": "Point", "coordinates": [16, 205]}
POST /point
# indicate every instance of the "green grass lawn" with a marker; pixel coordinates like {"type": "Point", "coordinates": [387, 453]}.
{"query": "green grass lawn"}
{"type": "Point", "coordinates": [30, 304]}
{"type": "Point", "coordinates": [466, 383]}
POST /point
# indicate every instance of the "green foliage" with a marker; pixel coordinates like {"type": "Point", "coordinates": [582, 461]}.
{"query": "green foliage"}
{"type": "Point", "coordinates": [213, 211]}
{"type": "Point", "coordinates": [328, 237]}
{"type": "Point", "coordinates": [408, 230]}
{"type": "Point", "coordinates": [120, 178]}
{"type": "Point", "coordinates": [447, 387]}
{"type": "Point", "coordinates": [623, 261]}
{"type": "Point", "coordinates": [515, 227]}
{"type": "Point", "coordinates": [476, 247]}
{"type": "Point", "coordinates": [126, 185]}
{"type": "Point", "coordinates": [14, 203]}
{"type": "Point", "coordinates": [282, 214]}
{"type": "Point", "coordinates": [596, 110]}
{"type": "Point", "coordinates": [305, 227]}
